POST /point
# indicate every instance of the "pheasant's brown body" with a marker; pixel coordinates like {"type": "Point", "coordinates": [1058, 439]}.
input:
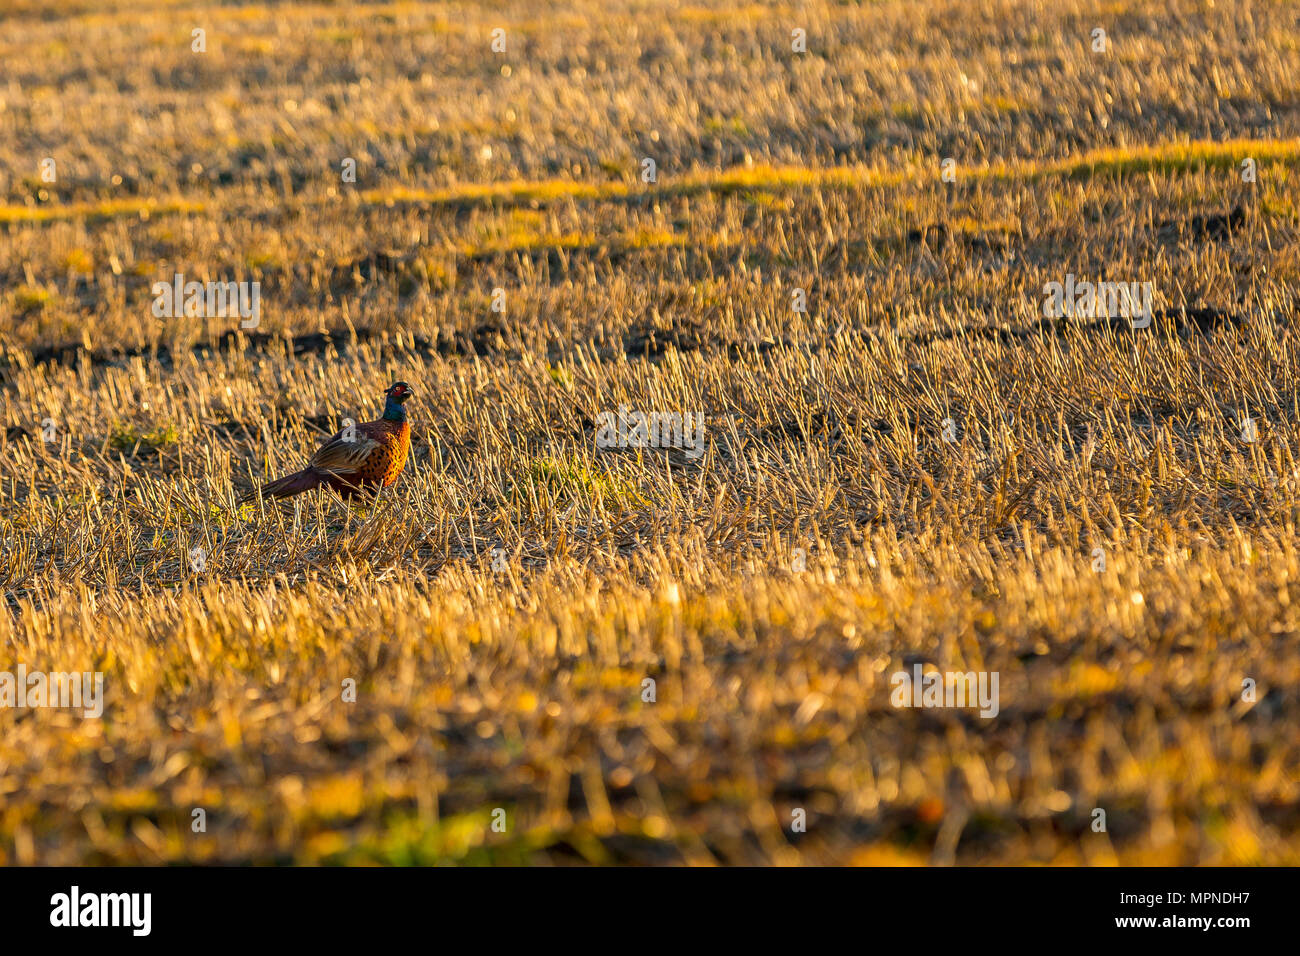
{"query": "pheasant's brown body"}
{"type": "Point", "coordinates": [356, 460]}
{"type": "Point", "coordinates": [381, 464]}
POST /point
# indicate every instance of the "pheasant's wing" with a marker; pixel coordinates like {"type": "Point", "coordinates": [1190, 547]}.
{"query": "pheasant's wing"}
{"type": "Point", "coordinates": [338, 456]}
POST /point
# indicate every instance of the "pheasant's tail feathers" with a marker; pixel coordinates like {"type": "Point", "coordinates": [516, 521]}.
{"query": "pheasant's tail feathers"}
{"type": "Point", "coordinates": [288, 486]}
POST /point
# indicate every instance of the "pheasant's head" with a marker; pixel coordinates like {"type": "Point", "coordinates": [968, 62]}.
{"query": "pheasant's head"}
{"type": "Point", "coordinates": [394, 399]}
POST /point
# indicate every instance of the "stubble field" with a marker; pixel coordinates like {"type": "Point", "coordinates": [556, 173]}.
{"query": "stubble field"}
{"type": "Point", "coordinates": [904, 462]}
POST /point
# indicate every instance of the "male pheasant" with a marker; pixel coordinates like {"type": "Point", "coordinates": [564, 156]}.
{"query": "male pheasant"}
{"type": "Point", "coordinates": [350, 463]}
